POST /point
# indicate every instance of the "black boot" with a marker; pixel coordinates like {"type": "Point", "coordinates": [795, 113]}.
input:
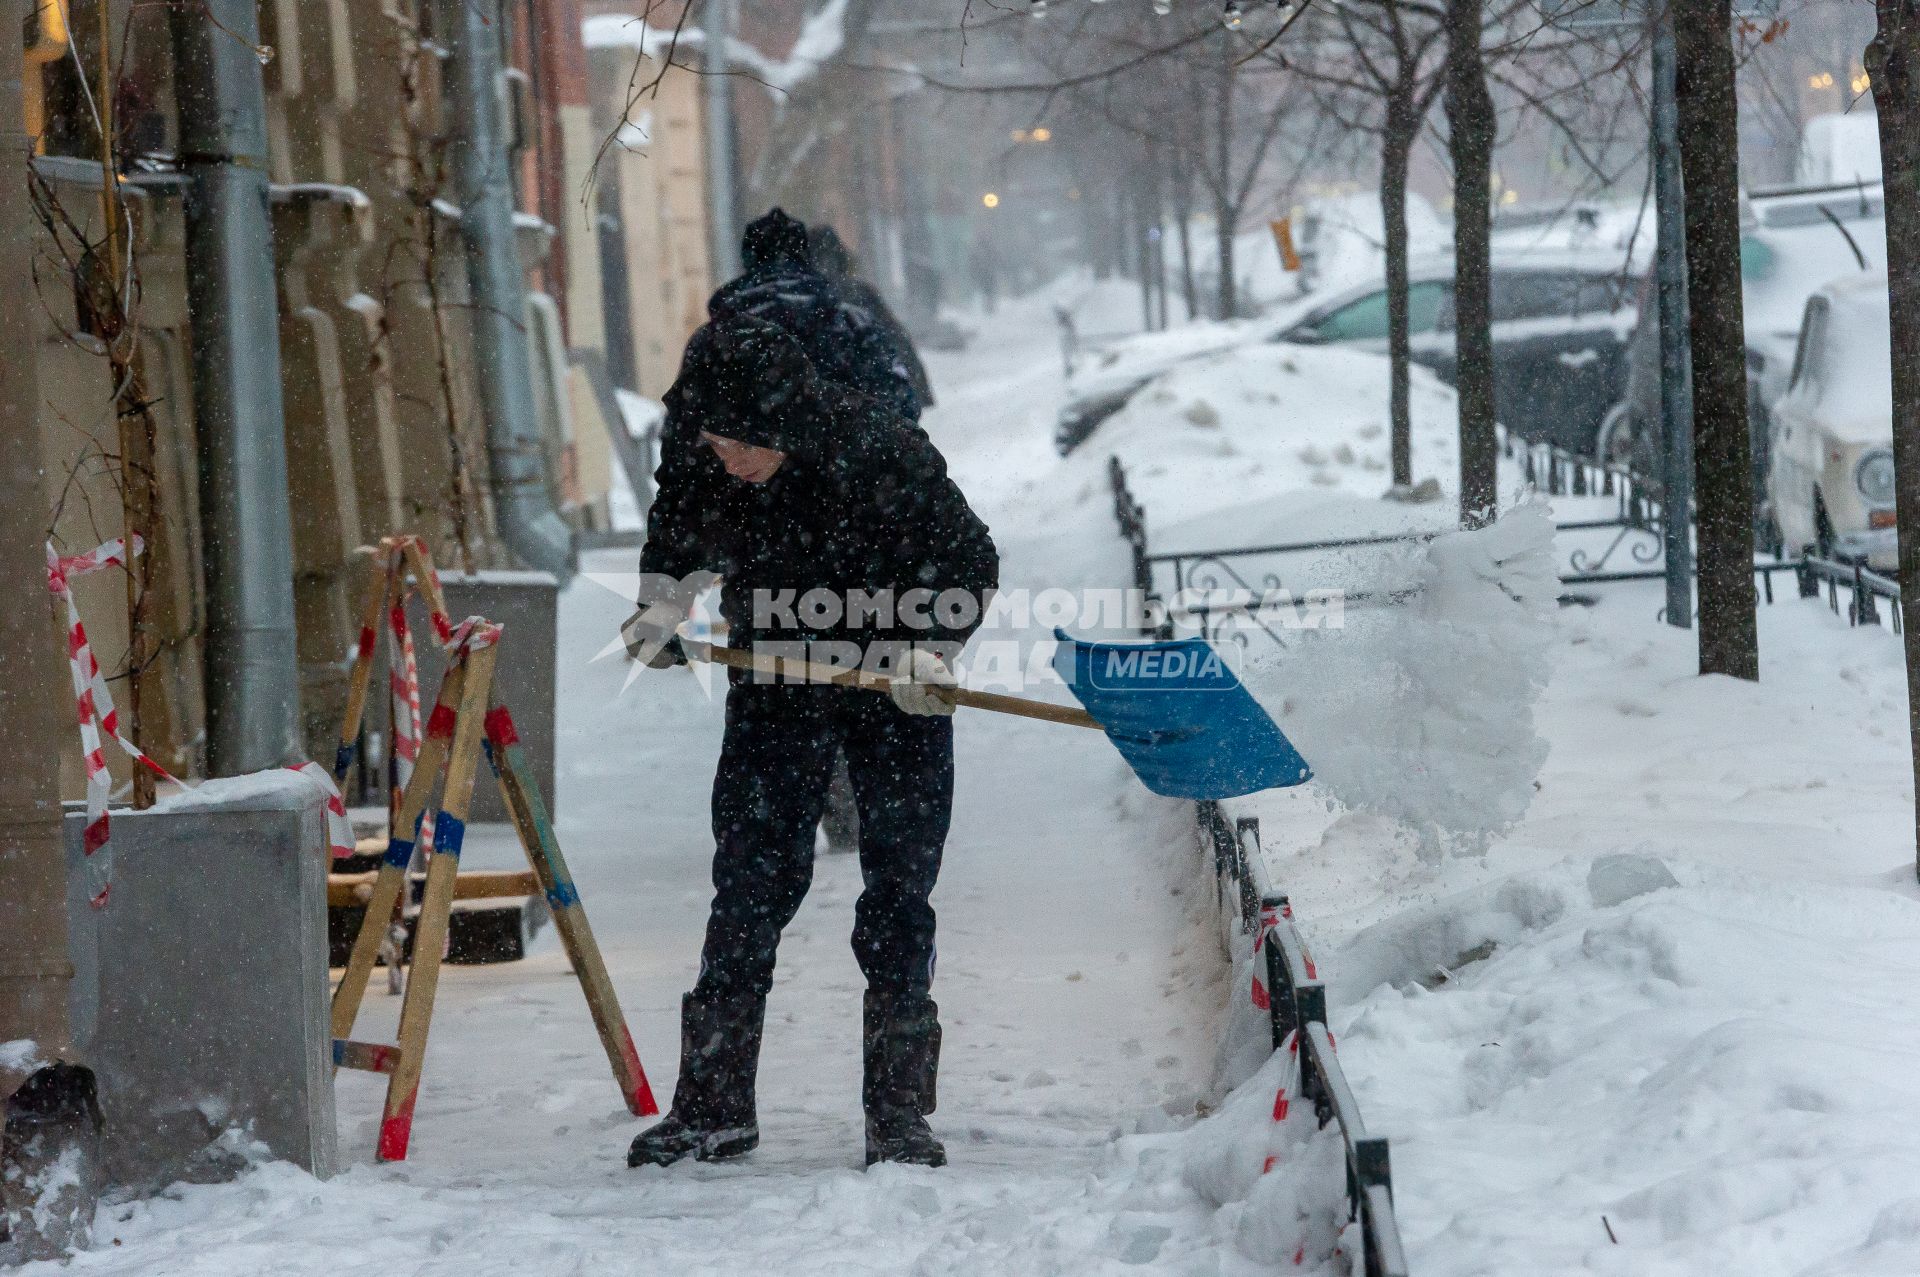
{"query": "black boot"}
{"type": "Point", "coordinates": [713, 1110]}
{"type": "Point", "coordinates": [902, 1052]}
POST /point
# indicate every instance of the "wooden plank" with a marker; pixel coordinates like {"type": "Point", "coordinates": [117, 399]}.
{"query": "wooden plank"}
{"type": "Point", "coordinates": [373, 928]}
{"type": "Point", "coordinates": [430, 931]}
{"type": "Point", "coordinates": [347, 891]}
{"type": "Point", "coordinates": [428, 582]}
{"type": "Point", "coordinates": [367, 1057]}
{"type": "Point", "coordinates": [352, 989]}
{"type": "Point", "coordinates": [379, 595]}
{"type": "Point", "coordinates": [529, 814]}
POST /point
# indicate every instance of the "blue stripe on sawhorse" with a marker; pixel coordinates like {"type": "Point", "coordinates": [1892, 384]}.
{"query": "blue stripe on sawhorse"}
{"type": "Point", "coordinates": [449, 831]}
{"type": "Point", "coordinates": [563, 894]}
{"type": "Point", "coordinates": [400, 850]}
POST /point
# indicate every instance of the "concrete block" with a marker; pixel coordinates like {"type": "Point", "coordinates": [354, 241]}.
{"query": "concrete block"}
{"type": "Point", "coordinates": [527, 604]}
{"type": "Point", "coordinates": [201, 990]}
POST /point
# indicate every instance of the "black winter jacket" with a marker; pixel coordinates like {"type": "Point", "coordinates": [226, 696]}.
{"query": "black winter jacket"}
{"type": "Point", "coordinates": [863, 501]}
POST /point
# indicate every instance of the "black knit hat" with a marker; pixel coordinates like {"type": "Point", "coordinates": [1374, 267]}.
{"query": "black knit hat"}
{"type": "Point", "coordinates": [776, 237]}
{"type": "Point", "coordinates": [745, 379]}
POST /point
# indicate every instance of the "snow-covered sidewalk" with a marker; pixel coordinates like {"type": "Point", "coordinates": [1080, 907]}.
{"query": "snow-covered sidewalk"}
{"type": "Point", "coordinates": [1079, 979]}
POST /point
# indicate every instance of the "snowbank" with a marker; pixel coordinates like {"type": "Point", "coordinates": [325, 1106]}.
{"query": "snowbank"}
{"type": "Point", "coordinates": [1267, 420]}
{"type": "Point", "coordinates": [1676, 995]}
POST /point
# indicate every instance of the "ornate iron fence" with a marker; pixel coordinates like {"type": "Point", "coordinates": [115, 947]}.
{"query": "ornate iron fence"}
{"type": "Point", "coordinates": [1297, 1008]}
{"type": "Point", "coordinates": [1213, 589]}
{"type": "Point", "coordinates": [1863, 588]}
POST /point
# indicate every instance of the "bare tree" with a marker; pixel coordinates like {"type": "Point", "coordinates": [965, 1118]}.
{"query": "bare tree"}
{"type": "Point", "coordinates": [1376, 64]}
{"type": "Point", "coordinates": [1471, 126]}
{"type": "Point", "coordinates": [1206, 101]}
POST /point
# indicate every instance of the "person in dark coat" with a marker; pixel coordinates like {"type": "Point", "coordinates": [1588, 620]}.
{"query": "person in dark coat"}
{"type": "Point", "coordinates": [786, 484]}
{"type": "Point", "coordinates": [780, 284]}
{"type": "Point", "coordinates": [832, 258]}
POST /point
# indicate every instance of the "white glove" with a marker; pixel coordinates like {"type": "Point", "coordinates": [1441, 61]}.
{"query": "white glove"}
{"type": "Point", "coordinates": [664, 605]}
{"type": "Point", "coordinates": [913, 693]}
{"type": "Point", "coordinates": [649, 635]}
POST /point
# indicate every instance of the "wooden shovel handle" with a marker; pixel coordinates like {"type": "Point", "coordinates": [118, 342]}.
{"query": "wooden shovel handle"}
{"type": "Point", "coordinates": [866, 681]}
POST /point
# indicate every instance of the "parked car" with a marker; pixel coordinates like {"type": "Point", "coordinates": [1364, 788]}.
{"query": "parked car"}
{"type": "Point", "coordinates": [1561, 321]}
{"type": "Point", "coordinates": [1792, 241]}
{"type": "Point", "coordinates": [1830, 469]}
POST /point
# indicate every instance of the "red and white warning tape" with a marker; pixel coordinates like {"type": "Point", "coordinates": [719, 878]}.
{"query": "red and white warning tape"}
{"type": "Point", "coordinates": [1270, 918]}
{"type": "Point", "coordinates": [473, 634]}
{"type": "Point", "coordinates": [93, 701]}
{"type": "Point", "coordinates": [403, 685]}
{"type": "Point", "coordinates": [340, 840]}
{"type": "Point", "coordinates": [403, 678]}
{"type": "Point", "coordinates": [1281, 1098]}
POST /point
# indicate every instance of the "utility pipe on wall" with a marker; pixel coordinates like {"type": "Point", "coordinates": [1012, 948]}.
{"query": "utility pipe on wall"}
{"type": "Point", "coordinates": [483, 185]}
{"type": "Point", "coordinates": [723, 211]}
{"type": "Point", "coordinates": [252, 674]}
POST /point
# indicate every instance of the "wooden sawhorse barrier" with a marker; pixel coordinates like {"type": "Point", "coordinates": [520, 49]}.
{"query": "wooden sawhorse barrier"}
{"type": "Point", "coordinates": [463, 725]}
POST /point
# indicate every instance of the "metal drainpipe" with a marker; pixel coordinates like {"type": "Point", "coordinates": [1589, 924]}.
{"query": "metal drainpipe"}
{"type": "Point", "coordinates": [723, 212]}
{"type": "Point", "coordinates": [252, 674]}
{"type": "Point", "coordinates": [497, 280]}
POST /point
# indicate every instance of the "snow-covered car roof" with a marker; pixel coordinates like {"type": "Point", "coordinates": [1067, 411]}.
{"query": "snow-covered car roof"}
{"type": "Point", "coordinates": [1794, 247]}
{"type": "Point", "coordinates": [1596, 260]}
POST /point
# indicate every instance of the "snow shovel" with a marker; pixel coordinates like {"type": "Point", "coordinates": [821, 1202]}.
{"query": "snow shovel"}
{"type": "Point", "coordinates": [1175, 710]}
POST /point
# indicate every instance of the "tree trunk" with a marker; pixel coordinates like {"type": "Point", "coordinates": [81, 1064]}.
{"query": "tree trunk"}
{"type": "Point", "coordinates": [1226, 214]}
{"type": "Point", "coordinates": [1722, 452]}
{"type": "Point", "coordinates": [1229, 289]}
{"type": "Point", "coordinates": [1470, 138]}
{"type": "Point", "coordinates": [1893, 62]}
{"type": "Point", "coordinates": [1157, 237]}
{"type": "Point", "coordinates": [1182, 179]}
{"type": "Point", "coordinates": [1396, 151]}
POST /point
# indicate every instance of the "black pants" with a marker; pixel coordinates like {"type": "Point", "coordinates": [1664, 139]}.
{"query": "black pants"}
{"type": "Point", "coordinates": [776, 762]}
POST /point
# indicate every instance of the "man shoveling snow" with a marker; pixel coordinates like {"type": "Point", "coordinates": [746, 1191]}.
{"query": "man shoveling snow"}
{"type": "Point", "coordinates": [784, 483]}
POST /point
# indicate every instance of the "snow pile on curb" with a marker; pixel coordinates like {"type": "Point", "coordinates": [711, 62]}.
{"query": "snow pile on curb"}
{"type": "Point", "coordinates": [1422, 711]}
{"type": "Point", "coordinates": [1293, 1214]}
{"type": "Point", "coordinates": [1697, 1058]}
{"type": "Point", "coordinates": [1259, 419]}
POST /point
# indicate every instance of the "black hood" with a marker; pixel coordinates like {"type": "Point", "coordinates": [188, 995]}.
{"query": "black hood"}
{"type": "Point", "coordinates": [829, 253]}
{"type": "Point", "coordinates": [746, 379]}
{"type": "Point", "coordinates": [773, 239]}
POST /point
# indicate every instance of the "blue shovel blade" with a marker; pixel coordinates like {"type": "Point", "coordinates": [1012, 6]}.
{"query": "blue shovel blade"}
{"type": "Point", "coordinates": [1180, 717]}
